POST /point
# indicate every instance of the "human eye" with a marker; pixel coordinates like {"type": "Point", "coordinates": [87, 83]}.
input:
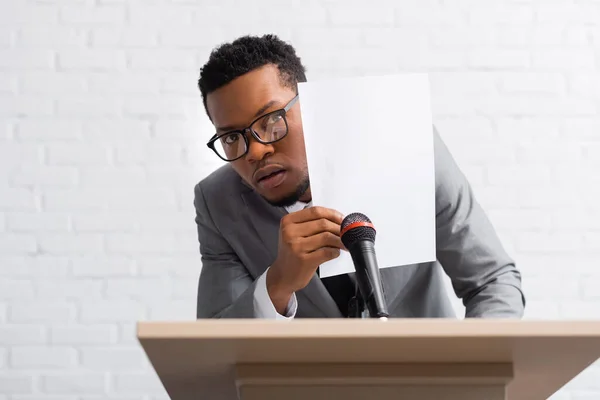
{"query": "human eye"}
{"type": "Point", "coordinates": [230, 139]}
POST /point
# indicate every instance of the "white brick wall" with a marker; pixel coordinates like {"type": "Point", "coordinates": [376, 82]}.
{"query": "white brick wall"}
{"type": "Point", "coordinates": [102, 136]}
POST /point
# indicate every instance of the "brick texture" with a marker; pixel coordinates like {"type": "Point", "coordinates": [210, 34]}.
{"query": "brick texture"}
{"type": "Point", "coordinates": [102, 135]}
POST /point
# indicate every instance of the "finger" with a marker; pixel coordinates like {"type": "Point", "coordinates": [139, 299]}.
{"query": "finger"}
{"type": "Point", "coordinates": [311, 228]}
{"type": "Point", "coordinates": [323, 239]}
{"type": "Point", "coordinates": [323, 255]}
{"type": "Point", "coordinates": [317, 212]}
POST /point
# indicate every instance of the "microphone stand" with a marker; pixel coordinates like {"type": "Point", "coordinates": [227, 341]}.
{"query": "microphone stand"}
{"type": "Point", "coordinates": [356, 307]}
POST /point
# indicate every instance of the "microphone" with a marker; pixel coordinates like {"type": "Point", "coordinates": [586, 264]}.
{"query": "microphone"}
{"type": "Point", "coordinates": [358, 235]}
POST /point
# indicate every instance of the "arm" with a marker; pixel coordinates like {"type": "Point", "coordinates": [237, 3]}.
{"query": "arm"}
{"type": "Point", "coordinates": [468, 248]}
{"type": "Point", "coordinates": [225, 288]}
{"type": "Point", "coordinates": [264, 306]}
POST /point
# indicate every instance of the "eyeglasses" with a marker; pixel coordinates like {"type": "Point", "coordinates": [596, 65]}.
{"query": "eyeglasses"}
{"type": "Point", "coordinates": [266, 129]}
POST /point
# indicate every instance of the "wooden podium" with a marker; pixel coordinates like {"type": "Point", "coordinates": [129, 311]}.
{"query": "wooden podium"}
{"type": "Point", "coordinates": [355, 359]}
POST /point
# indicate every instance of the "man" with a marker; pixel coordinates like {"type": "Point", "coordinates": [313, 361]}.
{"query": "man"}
{"type": "Point", "coordinates": [262, 241]}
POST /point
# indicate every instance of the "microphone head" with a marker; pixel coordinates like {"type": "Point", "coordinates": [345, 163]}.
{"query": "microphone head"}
{"type": "Point", "coordinates": [355, 228]}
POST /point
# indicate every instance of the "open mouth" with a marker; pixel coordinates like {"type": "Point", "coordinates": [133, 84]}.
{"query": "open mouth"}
{"type": "Point", "coordinates": [272, 180]}
{"type": "Point", "coordinates": [271, 175]}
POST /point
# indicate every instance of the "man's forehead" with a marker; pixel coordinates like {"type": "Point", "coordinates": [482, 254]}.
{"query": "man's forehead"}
{"type": "Point", "coordinates": [237, 111]}
{"type": "Point", "coordinates": [237, 102]}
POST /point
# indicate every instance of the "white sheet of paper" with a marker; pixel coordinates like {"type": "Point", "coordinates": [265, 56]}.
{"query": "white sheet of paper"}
{"type": "Point", "coordinates": [369, 144]}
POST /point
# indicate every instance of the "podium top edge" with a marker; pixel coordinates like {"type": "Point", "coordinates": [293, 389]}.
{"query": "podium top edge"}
{"type": "Point", "coordinates": [355, 328]}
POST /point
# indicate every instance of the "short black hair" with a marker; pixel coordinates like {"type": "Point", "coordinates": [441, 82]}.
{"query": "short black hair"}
{"type": "Point", "coordinates": [231, 60]}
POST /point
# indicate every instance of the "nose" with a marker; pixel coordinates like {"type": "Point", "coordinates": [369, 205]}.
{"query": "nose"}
{"type": "Point", "coordinates": [257, 151]}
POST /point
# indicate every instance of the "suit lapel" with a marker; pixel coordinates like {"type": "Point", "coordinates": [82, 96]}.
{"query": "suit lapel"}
{"type": "Point", "coordinates": [265, 220]}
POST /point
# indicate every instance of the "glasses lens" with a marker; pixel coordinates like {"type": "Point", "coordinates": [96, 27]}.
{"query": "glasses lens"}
{"type": "Point", "coordinates": [271, 127]}
{"type": "Point", "coordinates": [230, 146]}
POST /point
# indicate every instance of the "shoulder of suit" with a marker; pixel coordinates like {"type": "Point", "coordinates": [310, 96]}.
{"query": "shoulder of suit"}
{"type": "Point", "coordinates": [223, 181]}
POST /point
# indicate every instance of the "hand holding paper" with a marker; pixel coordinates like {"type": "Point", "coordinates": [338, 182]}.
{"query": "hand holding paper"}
{"type": "Point", "coordinates": [307, 239]}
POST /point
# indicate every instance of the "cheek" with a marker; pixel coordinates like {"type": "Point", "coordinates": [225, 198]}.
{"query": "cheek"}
{"type": "Point", "coordinates": [299, 151]}
{"type": "Point", "coordinates": [292, 151]}
{"type": "Point", "coordinates": [295, 143]}
{"type": "Point", "coordinates": [243, 169]}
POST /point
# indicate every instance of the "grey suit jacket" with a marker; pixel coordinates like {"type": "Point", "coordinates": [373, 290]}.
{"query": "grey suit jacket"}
{"type": "Point", "coordinates": [238, 238]}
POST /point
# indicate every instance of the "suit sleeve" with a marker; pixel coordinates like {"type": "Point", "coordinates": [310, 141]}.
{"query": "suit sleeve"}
{"type": "Point", "coordinates": [468, 248]}
{"type": "Point", "coordinates": [225, 288]}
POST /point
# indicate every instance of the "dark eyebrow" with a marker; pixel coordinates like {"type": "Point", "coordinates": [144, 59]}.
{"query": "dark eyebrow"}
{"type": "Point", "coordinates": [258, 113]}
{"type": "Point", "coordinates": [264, 108]}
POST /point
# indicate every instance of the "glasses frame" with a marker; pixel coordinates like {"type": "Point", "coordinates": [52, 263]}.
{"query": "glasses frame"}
{"type": "Point", "coordinates": [242, 132]}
